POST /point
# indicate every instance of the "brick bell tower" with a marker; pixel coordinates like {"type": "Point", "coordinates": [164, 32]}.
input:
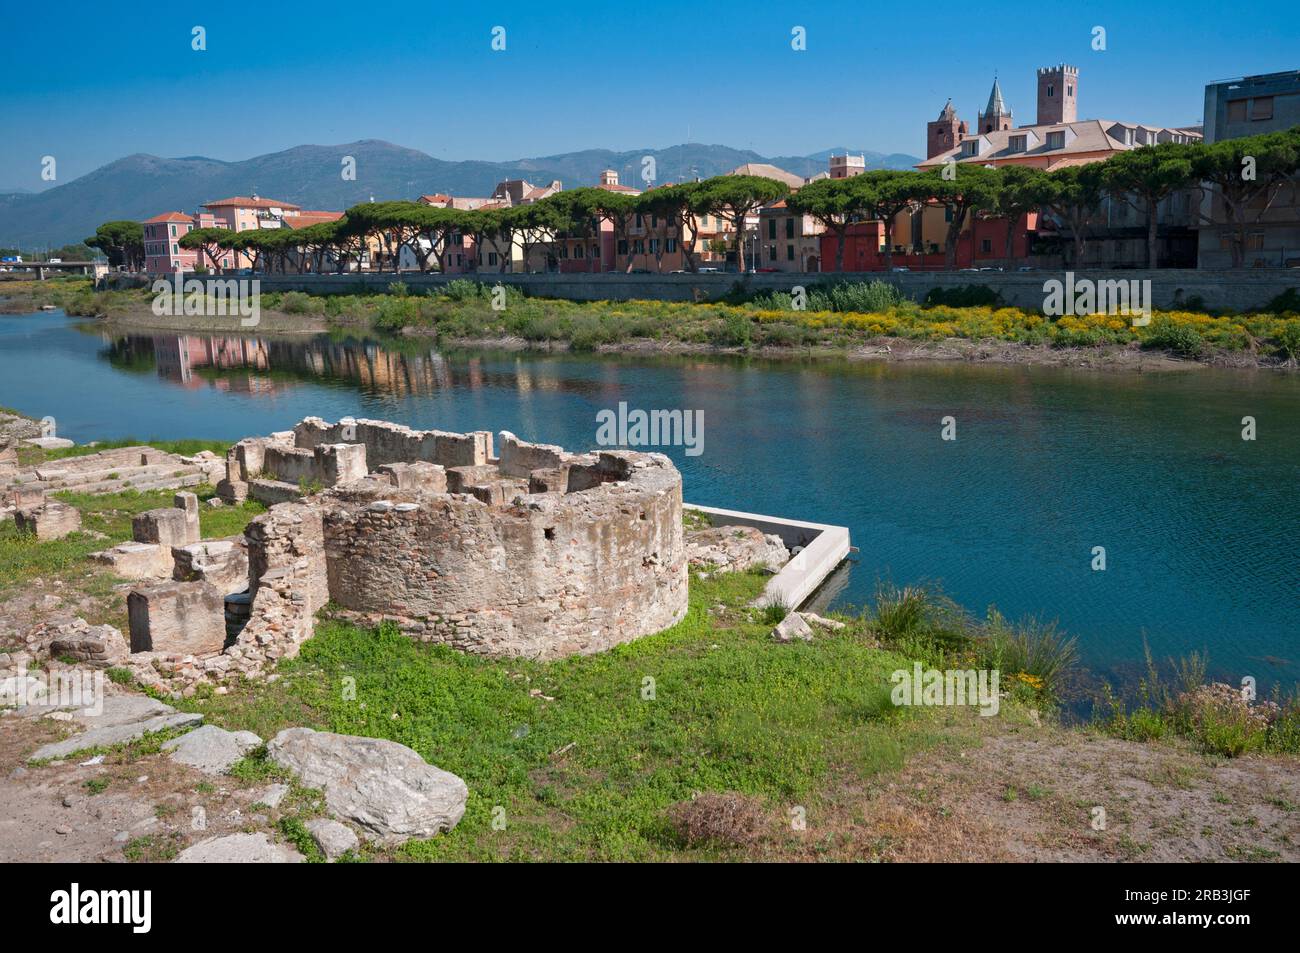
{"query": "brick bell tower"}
{"type": "Point", "coordinates": [944, 133]}
{"type": "Point", "coordinates": [1058, 95]}
{"type": "Point", "coordinates": [996, 115]}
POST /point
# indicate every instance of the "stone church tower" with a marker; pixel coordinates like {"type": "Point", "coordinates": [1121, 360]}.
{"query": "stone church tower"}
{"type": "Point", "coordinates": [996, 114]}
{"type": "Point", "coordinates": [1058, 95]}
{"type": "Point", "coordinates": [944, 133]}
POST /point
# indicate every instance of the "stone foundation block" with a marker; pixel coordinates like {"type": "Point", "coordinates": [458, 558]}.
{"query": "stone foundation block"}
{"type": "Point", "coordinates": [137, 560]}
{"type": "Point", "coordinates": [429, 477]}
{"type": "Point", "coordinates": [181, 618]}
{"type": "Point", "coordinates": [50, 520]}
{"type": "Point", "coordinates": [166, 527]}
{"type": "Point", "coordinates": [222, 562]}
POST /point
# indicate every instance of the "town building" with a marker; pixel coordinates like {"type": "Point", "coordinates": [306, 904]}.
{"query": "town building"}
{"type": "Point", "coordinates": [1250, 106]}
{"type": "Point", "coordinates": [163, 254]}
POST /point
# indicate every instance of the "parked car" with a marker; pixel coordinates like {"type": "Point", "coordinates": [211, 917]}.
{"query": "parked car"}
{"type": "Point", "coordinates": [710, 271]}
{"type": "Point", "coordinates": [1026, 268]}
{"type": "Point", "coordinates": [899, 268]}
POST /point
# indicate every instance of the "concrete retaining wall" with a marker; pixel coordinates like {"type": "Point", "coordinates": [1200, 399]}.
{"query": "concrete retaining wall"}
{"type": "Point", "coordinates": [1170, 287]}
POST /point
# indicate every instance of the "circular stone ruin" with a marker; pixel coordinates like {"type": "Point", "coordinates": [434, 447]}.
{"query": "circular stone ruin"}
{"type": "Point", "coordinates": [537, 553]}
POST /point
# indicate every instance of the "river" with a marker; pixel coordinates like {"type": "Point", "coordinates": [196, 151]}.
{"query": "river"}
{"type": "Point", "coordinates": [1198, 525]}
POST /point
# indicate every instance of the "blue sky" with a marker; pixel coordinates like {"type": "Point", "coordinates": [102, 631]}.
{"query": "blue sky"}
{"type": "Point", "coordinates": [91, 82]}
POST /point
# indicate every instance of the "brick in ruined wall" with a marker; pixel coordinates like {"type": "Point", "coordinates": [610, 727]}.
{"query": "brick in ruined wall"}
{"type": "Point", "coordinates": [460, 479]}
{"type": "Point", "coordinates": [289, 465]}
{"type": "Point", "coordinates": [186, 618]}
{"type": "Point", "coordinates": [247, 459]}
{"type": "Point", "coordinates": [428, 477]}
{"type": "Point", "coordinates": [289, 537]}
{"type": "Point", "coordinates": [519, 458]}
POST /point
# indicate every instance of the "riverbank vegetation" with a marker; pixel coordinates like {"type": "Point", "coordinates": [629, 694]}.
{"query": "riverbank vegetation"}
{"type": "Point", "coordinates": [836, 317]}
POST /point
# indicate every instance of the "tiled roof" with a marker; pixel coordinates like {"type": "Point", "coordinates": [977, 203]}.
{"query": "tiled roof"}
{"type": "Point", "coordinates": [169, 217]}
{"type": "Point", "coordinates": [243, 201]}
{"type": "Point", "coordinates": [1087, 136]}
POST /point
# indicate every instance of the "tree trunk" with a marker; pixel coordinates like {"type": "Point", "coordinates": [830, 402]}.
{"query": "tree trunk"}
{"type": "Point", "coordinates": [839, 247]}
{"type": "Point", "coordinates": [1151, 234]}
{"type": "Point", "coordinates": [888, 222]}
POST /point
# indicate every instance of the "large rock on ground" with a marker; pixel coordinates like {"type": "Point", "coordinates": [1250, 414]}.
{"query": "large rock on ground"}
{"type": "Point", "coordinates": [211, 749]}
{"type": "Point", "coordinates": [238, 849]}
{"type": "Point", "coordinates": [123, 718]}
{"type": "Point", "coordinates": [384, 787]}
{"type": "Point", "coordinates": [792, 627]}
{"type": "Point", "coordinates": [735, 548]}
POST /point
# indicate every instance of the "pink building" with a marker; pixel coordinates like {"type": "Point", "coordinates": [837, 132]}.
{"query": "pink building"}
{"type": "Point", "coordinates": [163, 254]}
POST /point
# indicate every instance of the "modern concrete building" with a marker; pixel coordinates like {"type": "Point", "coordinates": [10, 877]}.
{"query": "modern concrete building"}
{"type": "Point", "coordinates": [1250, 106]}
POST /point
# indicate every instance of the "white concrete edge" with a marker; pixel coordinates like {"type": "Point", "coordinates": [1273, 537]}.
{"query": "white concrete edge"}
{"type": "Point", "coordinates": [824, 548]}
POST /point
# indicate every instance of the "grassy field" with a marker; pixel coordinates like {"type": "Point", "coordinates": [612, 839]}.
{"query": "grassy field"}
{"type": "Point", "coordinates": [584, 758]}
{"type": "Point", "coordinates": [836, 317]}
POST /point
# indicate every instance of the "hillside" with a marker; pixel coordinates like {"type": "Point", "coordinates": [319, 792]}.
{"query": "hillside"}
{"type": "Point", "coordinates": [138, 186]}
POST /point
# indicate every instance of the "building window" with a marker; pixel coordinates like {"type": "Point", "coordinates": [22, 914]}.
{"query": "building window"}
{"type": "Point", "coordinates": [1056, 140]}
{"type": "Point", "coordinates": [654, 246]}
{"type": "Point", "coordinates": [986, 245]}
{"type": "Point", "coordinates": [789, 228]}
{"type": "Point", "coordinates": [771, 253]}
{"type": "Point", "coordinates": [1255, 241]}
{"type": "Point", "coordinates": [1236, 110]}
{"type": "Point", "coordinates": [622, 246]}
{"type": "Point", "coordinates": [789, 253]}
{"type": "Point", "coordinates": [1051, 91]}
{"type": "Point", "coordinates": [638, 220]}
{"type": "Point", "coordinates": [579, 251]}
{"type": "Point", "coordinates": [670, 246]}
{"type": "Point", "coordinates": [771, 228]}
{"type": "Point", "coordinates": [595, 251]}
{"type": "Point", "coordinates": [1017, 143]}
{"type": "Point", "coordinates": [1069, 90]}
{"type": "Point", "coordinates": [1261, 107]}
{"type": "Point", "coordinates": [492, 258]}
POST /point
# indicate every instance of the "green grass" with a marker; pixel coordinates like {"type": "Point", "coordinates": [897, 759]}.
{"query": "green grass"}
{"type": "Point", "coordinates": [591, 773]}
{"type": "Point", "coordinates": [23, 558]}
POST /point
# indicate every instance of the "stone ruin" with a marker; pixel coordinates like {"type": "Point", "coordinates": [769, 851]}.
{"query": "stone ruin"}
{"type": "Point", "coordinates": [525, 550]}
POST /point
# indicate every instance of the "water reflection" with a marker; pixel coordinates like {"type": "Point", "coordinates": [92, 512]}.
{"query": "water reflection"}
{"type": "Point", "coordinates": [254, 365]}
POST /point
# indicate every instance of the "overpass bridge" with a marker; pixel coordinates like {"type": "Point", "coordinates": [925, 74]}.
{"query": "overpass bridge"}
{"type": "Point", "coordinates": [20, 269]}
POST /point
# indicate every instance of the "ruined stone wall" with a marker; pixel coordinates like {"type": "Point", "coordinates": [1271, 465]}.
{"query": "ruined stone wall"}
{"type": "Point", "coordinates": [544, 576]}
{"type": "Point", "coordinates": [393, 443]}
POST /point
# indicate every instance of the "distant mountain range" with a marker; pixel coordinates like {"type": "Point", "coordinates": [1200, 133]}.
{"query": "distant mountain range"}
{"type": "Point", "coordinates": [140, 186]}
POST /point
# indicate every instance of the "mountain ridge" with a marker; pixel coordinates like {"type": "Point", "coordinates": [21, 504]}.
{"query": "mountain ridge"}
{"type": "Point", "coordinates": [141, 185]}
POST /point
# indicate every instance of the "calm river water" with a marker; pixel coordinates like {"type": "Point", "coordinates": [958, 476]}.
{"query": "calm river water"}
{"type": "Point", "coordinates": [1199, 526]}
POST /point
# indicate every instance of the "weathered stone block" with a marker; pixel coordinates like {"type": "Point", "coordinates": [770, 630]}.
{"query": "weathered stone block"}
{"type": "Point", "coordinates": [181, 618]}
{"type": "Point", "coordinates": [460, 479]}
{"type": "Point", "coordinates": [421, 475]}
{"type": "Point", "coordinates": [167, 527]}
{"type": "Point", "coordinates": [222, 562]}
{"type": "Point", "coordinates": [188, 503]}
{"type": "Point", "coordinates": [271, 492]}
{"type": "Point", "coordinates": [50, 520]}
{"type": "Point", "coordinates": [27, 497]}
{"type": "Point", "coordinates": [137, 560]}
{"type": "Point", "coordinates": [549, 480]}
{"type": "Point", "coordinates": [499, 492]}
{"type": "Point", "coordinates": [98, 646]}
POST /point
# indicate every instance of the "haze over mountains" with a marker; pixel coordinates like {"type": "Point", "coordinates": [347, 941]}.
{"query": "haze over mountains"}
{"type": "Point", "coordinates": [139, 186]}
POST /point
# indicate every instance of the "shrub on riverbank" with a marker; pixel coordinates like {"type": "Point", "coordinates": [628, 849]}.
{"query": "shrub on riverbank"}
{"type": "Point", "coordinates": [838, 316]}
{"type": "Point", "coordinates": [1219, 718]}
